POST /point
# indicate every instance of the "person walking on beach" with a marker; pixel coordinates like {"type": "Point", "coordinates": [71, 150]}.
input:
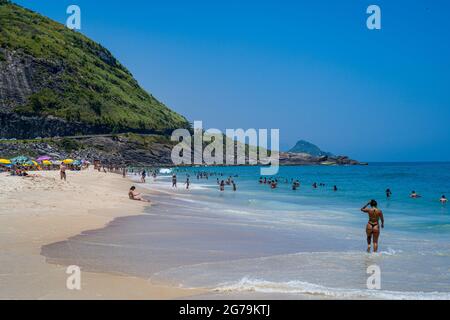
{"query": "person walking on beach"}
{"type": "Point", "coordinates": [187, 183]}
{"type": "Point", "coordinates": [62, 171]}
{"type": "Point", "coordinates": [143, 176]}
{"type": "Point", "coordinates": [373, 226]}
{"type": "Point", "coordinates": [222, 186]}
{"type": "Point", "coordinates": [124, 172]}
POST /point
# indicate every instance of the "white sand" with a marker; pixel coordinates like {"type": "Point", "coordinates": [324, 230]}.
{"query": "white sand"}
{"type": "Point", "coordinates": [43, 210]}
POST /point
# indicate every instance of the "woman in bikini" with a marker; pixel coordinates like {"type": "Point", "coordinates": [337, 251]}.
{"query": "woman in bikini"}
{"type": "Point", "coordinates": [373, 226]}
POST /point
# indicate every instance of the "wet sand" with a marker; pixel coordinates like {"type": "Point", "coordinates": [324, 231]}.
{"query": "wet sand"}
{"type": "Point", "coordinates": [38, 211]}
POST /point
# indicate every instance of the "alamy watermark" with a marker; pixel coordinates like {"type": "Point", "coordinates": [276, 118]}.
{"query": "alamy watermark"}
{"type": "Point", "coordinates": [74, 20]}
{"type": "Point", "coordinates": [374, 20]}
{"type": "Point", "coordinates": [374, 280]}
{"type": "Point", "coordinates": [234, 147]}
{"type": "Point", "coordinates": [73, 281]}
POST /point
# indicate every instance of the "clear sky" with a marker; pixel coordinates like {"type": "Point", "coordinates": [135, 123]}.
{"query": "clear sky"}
{"type": "Point", "coordinates": [310, 68]}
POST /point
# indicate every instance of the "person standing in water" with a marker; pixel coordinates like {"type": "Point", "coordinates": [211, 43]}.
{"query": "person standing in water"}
{"type": "Point", "coordinates": [443, 200]}
{"type": "Point", "coordinates": [373, 226]}
{"type": "Point", "coordinates": [174, 181]}
{"type": "Point", "coordinates": [143, 175]}
{"type": "Point", "coordinates": [388, 193]}
{"type": "Point", "coordinates": [187, 183]}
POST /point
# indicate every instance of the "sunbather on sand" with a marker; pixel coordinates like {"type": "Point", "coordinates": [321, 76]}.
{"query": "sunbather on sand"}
{"type": "Point", "coordinates": [133, 195]}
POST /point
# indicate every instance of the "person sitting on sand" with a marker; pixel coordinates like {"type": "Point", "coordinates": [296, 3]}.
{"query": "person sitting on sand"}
{"type": "Point", "coordinates": [373, 226]}
{"type": "Point", "coordinates": [443, 199]}
{"type": "Point", "coordinates": [414, 195]}
{"type": "Point", "coordinates": [133, 195]}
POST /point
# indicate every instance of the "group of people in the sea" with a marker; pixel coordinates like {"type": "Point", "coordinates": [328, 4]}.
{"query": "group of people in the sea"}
{"type": "Point", "coordinates": [295, 183]}
{"type": "Point", "coordinates": [228, 182]}
{"type": "Point", "coordinates": [375, 215]}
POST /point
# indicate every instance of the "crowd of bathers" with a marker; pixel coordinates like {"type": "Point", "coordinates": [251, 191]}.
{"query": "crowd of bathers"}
{"type": "Point", "coordinates": [273, 182]}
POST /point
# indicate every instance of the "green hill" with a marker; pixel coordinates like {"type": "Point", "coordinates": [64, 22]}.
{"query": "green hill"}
{"type": "Point", "coordinates": [50, 72]}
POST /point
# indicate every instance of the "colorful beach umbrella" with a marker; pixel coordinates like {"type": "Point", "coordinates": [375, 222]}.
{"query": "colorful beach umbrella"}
{"type": "Point", "coordinates": [77, 163]}
{"type": "Point", "coordinates": [47, 163]}
{"type": "Point", "coordinates": [68, 161]}
{"type": "Point", "coordinates": [5, 161]}
{"type": "Point", "coordinates": [20, 160]}
{"type": "Point", "coordinates": [30, 163]}
{"type": "Point", "coordinates": [43, 158]}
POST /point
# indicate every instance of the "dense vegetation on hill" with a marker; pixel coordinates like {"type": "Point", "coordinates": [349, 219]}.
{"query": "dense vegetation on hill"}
{"type": "Point", "coordinates": [49, 70]}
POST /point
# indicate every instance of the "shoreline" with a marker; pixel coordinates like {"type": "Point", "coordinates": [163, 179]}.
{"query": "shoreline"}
{"type": "Point", "coordinates": [43, 210]}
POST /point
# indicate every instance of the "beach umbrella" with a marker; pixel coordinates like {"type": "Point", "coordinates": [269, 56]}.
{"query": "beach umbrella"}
{"type": "Point", "coordinates": [68, 161]}
{"type": "Point", "coordinates": [77, 163]}
{"type": "Point", "coordinates": [43, 158]}
{"type": "Point", "coordinates": [20, 160]}
{"type": "Point", "coordinates": [47, 163]}
{"type": "Point", "coordinates": [5, 161]}
{"type": "Point", "coordinates": [30, 163]}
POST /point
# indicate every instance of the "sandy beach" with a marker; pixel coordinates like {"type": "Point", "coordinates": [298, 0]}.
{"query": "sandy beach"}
{"type": "Point", "coordinates": [42, 210]}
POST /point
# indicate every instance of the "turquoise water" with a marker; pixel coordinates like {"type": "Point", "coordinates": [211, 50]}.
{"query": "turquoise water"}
{"type": "Point", "coordinates": [356, 185]}
{"type": "Point", "coordinates": [263, 243]}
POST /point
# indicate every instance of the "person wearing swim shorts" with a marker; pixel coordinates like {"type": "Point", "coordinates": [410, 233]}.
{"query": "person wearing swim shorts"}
{"type": "Point", "coordinates": [373, 226]}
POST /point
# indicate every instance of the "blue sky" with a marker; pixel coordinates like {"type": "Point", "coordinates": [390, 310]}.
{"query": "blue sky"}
{"type": "Point", "coordinates": [310, 68]}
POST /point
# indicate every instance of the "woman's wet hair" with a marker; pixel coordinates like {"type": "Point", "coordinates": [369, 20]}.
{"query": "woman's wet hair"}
{"type": "Point", "coordinates": [133, 188]}
{"type": "Point", "coordinates": [373, 203]}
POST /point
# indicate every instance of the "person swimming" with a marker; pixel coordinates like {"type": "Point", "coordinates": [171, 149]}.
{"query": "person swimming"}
{"type": "Point", "coordinates": [443, 199]}
{"type": "Point", "coordinates": [335, 188]}
{"type": "Point", "coordinates": [414, 195]}
{"type": "Point", "coordinates": [373, 226]}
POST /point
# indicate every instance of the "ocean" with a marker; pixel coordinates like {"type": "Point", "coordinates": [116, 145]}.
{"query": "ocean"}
{"type": "Point", "coordinates": [259, 242]}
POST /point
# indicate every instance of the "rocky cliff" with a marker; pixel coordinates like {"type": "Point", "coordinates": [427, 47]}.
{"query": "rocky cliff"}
{"type": "Point", "coordinates": [56, 82]}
